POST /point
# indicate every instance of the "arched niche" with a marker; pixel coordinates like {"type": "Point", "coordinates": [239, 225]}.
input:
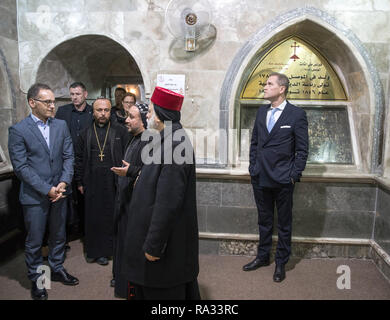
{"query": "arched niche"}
{"type": "Point", "coordinates": [96, 60]}
{"type": "Point", "coordinates": [347, 57]}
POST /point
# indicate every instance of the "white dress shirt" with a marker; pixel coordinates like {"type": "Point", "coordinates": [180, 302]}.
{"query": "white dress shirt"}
{"type": "Point", "coordinates": [44, 128]}
{"type": "Point", "coordinates": [277, 113]}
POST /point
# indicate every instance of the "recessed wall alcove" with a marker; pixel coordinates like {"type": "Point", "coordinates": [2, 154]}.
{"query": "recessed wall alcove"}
{"type": "Point", "coordinates": [98, 61]}
{"type": "Point", "coordinates": [349, 60]}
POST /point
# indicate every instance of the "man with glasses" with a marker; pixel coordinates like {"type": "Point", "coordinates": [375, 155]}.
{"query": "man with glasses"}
{"type": "Point", "coordinates": [41, 152]}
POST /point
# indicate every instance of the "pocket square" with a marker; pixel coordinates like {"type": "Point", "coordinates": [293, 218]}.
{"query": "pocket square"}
{"type": "Point", "coordinates": [282, 127]}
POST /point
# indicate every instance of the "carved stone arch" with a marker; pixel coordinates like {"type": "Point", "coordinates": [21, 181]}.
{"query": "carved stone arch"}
{"type": "Point", "coordinates": [75, 43]}
{"type": "Point", "coordinates": [343, 50]}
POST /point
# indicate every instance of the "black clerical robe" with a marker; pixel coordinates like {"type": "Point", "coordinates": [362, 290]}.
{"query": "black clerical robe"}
{"type": "Point", "coordinates": [93, 172]}
{"type": "Point", "coordinates": [125, 188]}
{"type": "Point", "coordinates": [163, 222]}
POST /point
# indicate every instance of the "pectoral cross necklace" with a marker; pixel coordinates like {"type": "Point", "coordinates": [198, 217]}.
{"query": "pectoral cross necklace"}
{"type": "Point", "coordinates": [101, 154]}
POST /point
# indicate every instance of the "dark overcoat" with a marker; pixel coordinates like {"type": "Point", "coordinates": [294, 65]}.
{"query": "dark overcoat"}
{"type": "Point", "coordinates": [163, 218]}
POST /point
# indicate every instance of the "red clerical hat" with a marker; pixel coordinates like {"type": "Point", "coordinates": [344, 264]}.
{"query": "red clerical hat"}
{"type": "Point", "coordinates": [167, 99]}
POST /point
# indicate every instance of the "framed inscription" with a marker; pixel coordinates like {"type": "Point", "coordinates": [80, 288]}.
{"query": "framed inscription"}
{"type": "Point", "coordinates": [311, 76]}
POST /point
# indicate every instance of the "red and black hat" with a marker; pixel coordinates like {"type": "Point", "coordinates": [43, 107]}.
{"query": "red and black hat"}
{"type": "Point", "coordinates": [167, 99]}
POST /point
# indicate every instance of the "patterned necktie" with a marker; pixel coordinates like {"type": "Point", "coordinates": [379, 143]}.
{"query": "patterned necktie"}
{"type": "Point", "coordinates": [271, 121]}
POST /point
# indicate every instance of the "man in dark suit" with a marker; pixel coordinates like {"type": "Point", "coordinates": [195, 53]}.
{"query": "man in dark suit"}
{"type": "Point", "coordinates": [278, 155]}
{"type": "Point", "coordinates": [41, 152]}
{"type": "Point", "coordinates": [78, 116]}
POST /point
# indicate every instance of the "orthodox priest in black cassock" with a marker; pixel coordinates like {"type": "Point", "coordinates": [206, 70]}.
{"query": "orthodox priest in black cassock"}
{"type": "Point", "coordinates": [127, 174]}
{"type": "Point", "coordinates": [161, 255]}
{"type": "Point", "coordinates": [99, 148]}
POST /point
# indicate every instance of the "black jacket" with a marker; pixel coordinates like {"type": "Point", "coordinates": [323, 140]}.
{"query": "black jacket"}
{"type": "Point", "coordinates": [280, 155]}
{"type": "Point", "coordinates": [65, 113]}
{"type": "Point", "coordinates": [163, 222]}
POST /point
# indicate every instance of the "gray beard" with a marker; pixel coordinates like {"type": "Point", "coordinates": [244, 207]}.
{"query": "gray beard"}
{"type": "Point", "coordinates": [151, 122]}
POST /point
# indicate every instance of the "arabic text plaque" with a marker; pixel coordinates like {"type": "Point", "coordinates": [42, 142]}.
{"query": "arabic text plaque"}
{"type": "Point", "coordinates": [311, 76]}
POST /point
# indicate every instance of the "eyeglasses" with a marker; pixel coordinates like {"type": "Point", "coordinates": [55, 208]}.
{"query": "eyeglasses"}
{"type": "Point", "coordinates": [129, 102]}
{"type": "Point", "coordinates": [46, 102]}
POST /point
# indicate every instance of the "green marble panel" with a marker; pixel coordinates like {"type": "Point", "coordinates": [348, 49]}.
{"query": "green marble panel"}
{"type": "Point", "coordinates": [329, 133]}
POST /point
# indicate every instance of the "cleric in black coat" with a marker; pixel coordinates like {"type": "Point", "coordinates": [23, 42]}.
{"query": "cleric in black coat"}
{"type": "Point", "coordinates": [161, 251]}
{"type": "Point", "coordinates": [278, 155]}
{"type": "Point", "coordinates": [99, 148]}
{"type": "Point", "coordinates": [127, 174]}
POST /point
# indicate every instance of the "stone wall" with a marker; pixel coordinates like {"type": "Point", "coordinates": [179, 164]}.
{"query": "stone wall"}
{"type": "Point", "coordinates": [330, 220]}
{"type": "Point", "coordinates": [353, 33]}
{"type": "Point", "coordinates": [11, 109]}
{"type": "Point", "coordinates": [321, 210]}
{"type": "Point", "coordinates": [382, 220]}
{"type": "Point", "coordinates": [139, 28]}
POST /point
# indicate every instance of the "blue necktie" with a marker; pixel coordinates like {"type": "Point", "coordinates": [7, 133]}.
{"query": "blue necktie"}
{"type": "Point", "coordinates": [271, 121]}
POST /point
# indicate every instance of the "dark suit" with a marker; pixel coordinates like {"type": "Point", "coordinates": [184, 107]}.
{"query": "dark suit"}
{"type": "Point", "coordinates": [277, 160]}
{"type": "Point", "coordinates": [39, 169]}
{"type": "Point", "coordinates": [77, 121]}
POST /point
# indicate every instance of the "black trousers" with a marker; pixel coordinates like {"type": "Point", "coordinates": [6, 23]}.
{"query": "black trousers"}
{"type": "Point", "coordinates": [266, 199]}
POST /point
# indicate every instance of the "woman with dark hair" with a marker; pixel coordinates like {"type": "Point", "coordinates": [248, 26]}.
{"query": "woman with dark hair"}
{"type": "Point", "coordinates": [120, 110]}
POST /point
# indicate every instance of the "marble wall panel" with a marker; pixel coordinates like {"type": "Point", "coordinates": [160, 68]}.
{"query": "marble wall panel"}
{"type": "Point", "coordinates": [320, 209]}
{"type": "Point", "coordinates": [38, 26]}
{"type": "Point", "coordinates": [199, 112]}
{"type": "Point", "coordinates": [6, 120]}
{"type": "Point", "coordinates": [202, 217]}
{"type": "Point", "coordinates": [10, 209]}
{"type": "Point", "coordinates": [107, 5]}
{"type": "Point", "coordinates": [134, 26]}
{"type": "Point", "coordinates": [359, 20]}
{"type": "Point", "coordinates": [380, 54]}
{"type": "Point", "coordinates": [333, 224]}
{"type": "Point", "coordinates": [350, 5]}
{"type": "Point", "coordinates": [209, 246]}
{"type": "Point", "coordinates": [60, 6]}
{"type": "Point", "coordinates": [209, 193]}
{"type": "Point", "coordinates": [8, 24]}
{"type": "Point", "coordinates": [382, 221]}
{"type": "Point", "coordinates": [335, 196]}
{"type": "Point", "coordinates": [208, 58]}
{"type": "Point", "coordinates": [381, 5]}
{"type": "Point", "coordinates": [238, 195]}
{"type": "Point", "coordinates": [231, 220]}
